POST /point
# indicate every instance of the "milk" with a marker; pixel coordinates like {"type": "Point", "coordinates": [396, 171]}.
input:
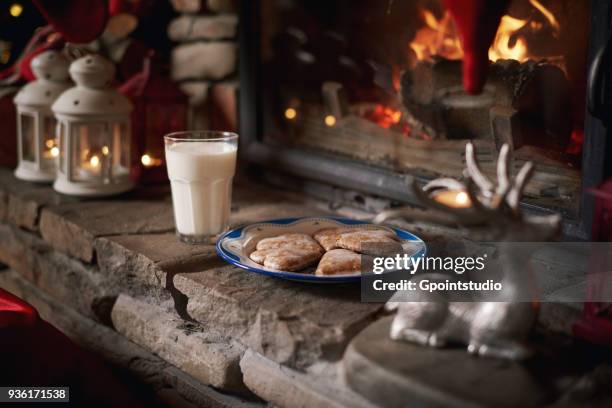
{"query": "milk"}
{"type": "Point", "coordinates": [201, 175]}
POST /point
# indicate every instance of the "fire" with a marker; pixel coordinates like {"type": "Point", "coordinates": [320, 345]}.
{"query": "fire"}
{"type": "Point", "coordinates": [439, 36]}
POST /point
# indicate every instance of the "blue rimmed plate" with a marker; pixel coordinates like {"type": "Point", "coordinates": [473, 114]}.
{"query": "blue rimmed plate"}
{"type": "Point", "coordinates": [236, 245]}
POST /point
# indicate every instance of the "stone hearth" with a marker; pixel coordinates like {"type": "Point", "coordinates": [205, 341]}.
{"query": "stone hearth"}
{"type": "Point", "coordinates": [112, 275]}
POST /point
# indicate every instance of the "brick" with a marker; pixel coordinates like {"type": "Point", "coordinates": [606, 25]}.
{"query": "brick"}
{"type": "Point", "coordinates": [205, 355]}
{"type": "Point", "coordinates": [203, 60]}
{"type": "Point", "coordinates": [285, 387]}
{"type": "Point", "coordinates": [197, 91]}
{"type": "Point", "coordinates": [72, 228]}
{"type": "Point", "coordinates": [187, 6]}
{"type": "Point", "coordinates": [189, 28]}
{"type": "Point", "coordinates": [222, 6]}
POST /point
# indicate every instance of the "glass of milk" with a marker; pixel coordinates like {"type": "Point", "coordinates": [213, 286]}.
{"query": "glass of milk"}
{"type": "Point", "coordinates": [201, 166]}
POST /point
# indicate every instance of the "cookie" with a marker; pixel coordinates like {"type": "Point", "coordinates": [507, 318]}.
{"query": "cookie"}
{"type": "Point", "coordinates": [287, 252]}
{"type": "Point", "coordinates": [354, 240]}
{"type": "Point", "coordinates": [328, 237]}
{"type": "Point", "coordinates": [339, 262]}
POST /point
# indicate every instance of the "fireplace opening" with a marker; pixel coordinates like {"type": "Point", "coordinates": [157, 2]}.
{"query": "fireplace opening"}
{"type": "Point", "coordinates": [379, 82]}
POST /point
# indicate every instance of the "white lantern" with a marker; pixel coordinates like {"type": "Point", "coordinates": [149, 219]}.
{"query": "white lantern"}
{"type": "Point", "coordinates": [93, 131]}
{"type": "Point", "coordinates": [36, 142]}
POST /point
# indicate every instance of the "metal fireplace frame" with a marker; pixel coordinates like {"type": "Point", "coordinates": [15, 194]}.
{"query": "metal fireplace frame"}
{"type": "Point", "coordinates": [353, 175]}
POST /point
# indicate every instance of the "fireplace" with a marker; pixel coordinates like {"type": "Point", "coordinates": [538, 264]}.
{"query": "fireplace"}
{"type": "Point", "coordinates": [365, 94]}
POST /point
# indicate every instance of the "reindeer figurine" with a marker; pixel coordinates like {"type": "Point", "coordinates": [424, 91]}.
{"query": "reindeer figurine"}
{"type": "Point", "coordinates": [496, 329]}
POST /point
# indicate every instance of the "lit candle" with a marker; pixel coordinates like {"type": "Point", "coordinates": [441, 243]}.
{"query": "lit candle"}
{"type": "Point", "coordinates": [51, 150]}
{"type": "Point", "coordinates": [453, 198]}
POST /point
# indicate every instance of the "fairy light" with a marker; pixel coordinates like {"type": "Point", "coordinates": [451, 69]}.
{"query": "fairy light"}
{"type": "Point", "coordinates": [290, 113]}
{"type": "Point", "coordinates": [55, 151]}
{"type": "Point", "coordinates": [105, 150]}
{"type": "Point", "coordinates": [330, 120]}
{"type": "Point", "coordinates": [146, 160]}
{"type": "Point", "coordinates": [15, 10]}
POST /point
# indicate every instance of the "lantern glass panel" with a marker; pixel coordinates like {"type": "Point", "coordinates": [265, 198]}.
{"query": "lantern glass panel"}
{"type": "Point", "coordinates": [28, 137]}
{"type": "Point", "coordinates": [91, 152]}
{"type": "Point", "coordinates": [50, 151]}
{"type": "Point", "coordinates": [62, 142]}
{"type": "Point", "coordinates": [121, 147]}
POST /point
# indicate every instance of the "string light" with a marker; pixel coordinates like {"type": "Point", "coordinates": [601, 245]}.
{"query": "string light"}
{"type": "Point", "coordinates": [16, 9]}
{"type": "Point", "coordinates": [105, 150]}
{"type": "Point", "coordinates": [290, 113]}
{"type": "Point", "coordinates": [330, 120]}
{"type": "Point", "coordinates": [146, 160]}
{"type": "Point", "coordinates": [55, 151]}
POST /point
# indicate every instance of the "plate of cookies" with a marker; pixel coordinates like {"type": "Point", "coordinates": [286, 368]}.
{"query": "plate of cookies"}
{"type": "Point", "coordinates": [313, 249]}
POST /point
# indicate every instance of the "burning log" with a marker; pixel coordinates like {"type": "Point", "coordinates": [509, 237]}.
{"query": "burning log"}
{"type": "Point", "coordinates": [535, 97]}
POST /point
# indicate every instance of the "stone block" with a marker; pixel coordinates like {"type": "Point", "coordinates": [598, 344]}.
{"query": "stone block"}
{"type": "Point", "coordinates": [189, 28]}
{"type": "Point", "coordinates": [205, 355]}
{"type": "Point", "coordinates": [222, 6]}
{"type": "Point", "coordinates": [72, 228]}
{"type": "Point", "coordinates": [224, 105]}
{"type": "Point", "coordinates": [21, 201]}
{"type": "Point", "coordinates": [204, 60]}
{"type": "Point", "coordinates": [147, 258]}
{"type": "Point", "coordinates": [197, 92]}
{"type": "Point", "coordinates": [187, 6]}
{"type": "Point", "coordinates": [67, 280]}
{"type": "Point", "coordinates": [398, 374]}
{"type": "Point", "coordinates": [288, 388]}
{"type": "Point", "coordinates": [285, 321]}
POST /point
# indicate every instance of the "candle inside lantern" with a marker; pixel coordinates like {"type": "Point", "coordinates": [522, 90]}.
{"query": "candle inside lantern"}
{"type": "Point", "coordinates": [51, 150]}
{"type": "Point", "coordinates": [453, 198]}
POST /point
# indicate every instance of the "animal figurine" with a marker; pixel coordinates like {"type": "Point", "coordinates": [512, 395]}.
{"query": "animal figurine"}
{"type": "Point", "coordinates": [496, 329]}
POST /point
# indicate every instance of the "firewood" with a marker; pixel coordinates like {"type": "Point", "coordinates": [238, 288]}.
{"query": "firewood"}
{"type": "Point", "coordinates": [539, 92]}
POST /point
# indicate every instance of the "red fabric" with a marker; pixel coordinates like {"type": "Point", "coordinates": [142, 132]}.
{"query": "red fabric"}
{"type": "Point", "coordinates": [477, 22]}
{"type": "Point", "coordinates": [79, 21]}
{"type": "Point", "coordinates": [34, 353]}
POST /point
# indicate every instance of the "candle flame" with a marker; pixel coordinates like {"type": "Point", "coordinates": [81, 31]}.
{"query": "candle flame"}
{"type": "Point", "coordinates": [462, 199]}
{"type": "Point", "coordinates": [94, 161]}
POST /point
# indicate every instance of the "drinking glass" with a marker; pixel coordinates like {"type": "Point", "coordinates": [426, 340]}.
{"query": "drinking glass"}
{"type": "Point", "coordinates": [201, 166]}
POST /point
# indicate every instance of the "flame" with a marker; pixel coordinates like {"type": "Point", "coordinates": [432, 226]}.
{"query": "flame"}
{"type": "Point", "coordinates": [501, 48]}
{"type": "Point", "coordinates": [439, 36]}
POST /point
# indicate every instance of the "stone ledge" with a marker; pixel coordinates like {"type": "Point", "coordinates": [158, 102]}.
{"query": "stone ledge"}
{"type": "Point", "coordinates": [287, 322]}
{"type": "Point", "coordinates": [69, 281]}
{"type": "Point", "coordinates": [163, 378]}
{"type": "Point", "coordinates": [201, 352]}
{"type": "Point", "coordinates": [72, 228]}
{"type": "Point", "coordinates": [288, 388]}
{"type": "Point", "coordinates": [21, 201]}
